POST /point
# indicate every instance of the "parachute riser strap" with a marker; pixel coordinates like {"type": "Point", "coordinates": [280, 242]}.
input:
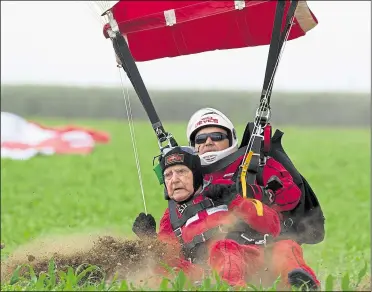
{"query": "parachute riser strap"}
{"type": "Point", "coordinates": [258, 148]}
{"type": "Point", "coordinates": [251, 163]}
{"type": "Point", "coordinates": [283, 38]}
{"type": "Point", "coordinates": [129, 66]}
{"type": "Point", "coordinates": [260, 123]}
{"type": "Point", "coordinates": [273, 49]}
{"type": "Point", "coordinates": [278, 38]}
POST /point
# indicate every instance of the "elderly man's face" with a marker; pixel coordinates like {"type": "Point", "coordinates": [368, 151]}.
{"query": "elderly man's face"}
{"type": "Point", "coordinates": [209, 145]}
{"type": "Point", "coordinates": [179, 182]}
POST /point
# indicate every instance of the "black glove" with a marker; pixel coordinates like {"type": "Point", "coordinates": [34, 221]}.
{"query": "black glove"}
{"type": "Point", "coordinates": [253, 191]}
{"type": "Point", "coordinates": [221, 194]}
{"type": "Point", "coordinates": [144, 226]}
{"type": "Point", "coordinates": [268, 192]}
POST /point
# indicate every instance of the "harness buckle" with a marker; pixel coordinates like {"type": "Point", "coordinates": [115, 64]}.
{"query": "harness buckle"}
{"type": "Point", "coordinates": [178, 232]}
{"type": "Point", "coordinates": [246, 238]}
{"type": "Point", "coordinates": [211, 202]}
{"type": "Point", "coordinates": [288, 222]}
{"type": "Point", "coordinates": [271, 197]}
{"type": "Point", "coordinates": [202, 236]}
{"type": "Point", "coordinates": [262, 241]}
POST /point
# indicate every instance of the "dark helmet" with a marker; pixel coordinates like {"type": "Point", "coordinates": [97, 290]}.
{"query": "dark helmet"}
{"type": "Point", "coordinates": [184, 156]}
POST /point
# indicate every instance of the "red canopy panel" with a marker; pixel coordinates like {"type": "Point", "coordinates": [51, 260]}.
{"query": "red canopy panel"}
{"type": "Point", "coordinates": [200, 26]}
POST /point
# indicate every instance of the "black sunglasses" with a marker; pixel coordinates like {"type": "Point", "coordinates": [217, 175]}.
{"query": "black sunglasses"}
{"type": "Point", "coordinates": [215, 136]}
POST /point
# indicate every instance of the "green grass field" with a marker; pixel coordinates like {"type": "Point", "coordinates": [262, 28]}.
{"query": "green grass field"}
{"type": "Point", "coordinates": [64, 195]}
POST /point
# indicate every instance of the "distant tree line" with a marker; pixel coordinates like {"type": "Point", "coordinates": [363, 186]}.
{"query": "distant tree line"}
{"type": "Point", "coordinates": [321, 109]}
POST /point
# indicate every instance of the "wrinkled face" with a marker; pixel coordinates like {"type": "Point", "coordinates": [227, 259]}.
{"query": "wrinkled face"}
{"type": "Point", "coordinates": [179, 182]}
{"type": "Point", "coordinates": [209, 145]}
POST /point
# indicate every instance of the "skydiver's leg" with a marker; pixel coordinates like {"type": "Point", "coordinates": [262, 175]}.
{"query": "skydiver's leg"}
{"type": "Point", "coordinates": [233, 262]}
{"type": "Point", "coordinates": [287, 261]}
{"type": "Point", "coordinates": [192, 271]}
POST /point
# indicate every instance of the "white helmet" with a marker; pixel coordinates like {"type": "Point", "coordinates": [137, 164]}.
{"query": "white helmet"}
{"type": "Point", "coordinates": [211, 117]}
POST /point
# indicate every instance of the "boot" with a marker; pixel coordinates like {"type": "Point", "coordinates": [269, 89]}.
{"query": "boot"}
{"type": "Point", "coordinates": [299, 278]}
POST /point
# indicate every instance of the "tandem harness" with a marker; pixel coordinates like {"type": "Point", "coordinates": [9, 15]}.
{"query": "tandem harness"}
{"type": "Point", "coordinates": [195, 251]}
{"type": "Point", "coordinates": [305, 223]}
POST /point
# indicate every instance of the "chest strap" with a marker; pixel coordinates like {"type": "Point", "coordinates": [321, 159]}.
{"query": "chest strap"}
{"type": "Point", "coordinates": [203, 237]}
{"type": "Point", "coordinates": [190, 211]}
{"type": "Point", "coordinates": [196, 251]}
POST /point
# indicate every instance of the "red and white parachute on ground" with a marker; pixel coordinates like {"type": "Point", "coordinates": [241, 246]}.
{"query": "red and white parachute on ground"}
{"type": "Point", "coordinates": [22, 139]}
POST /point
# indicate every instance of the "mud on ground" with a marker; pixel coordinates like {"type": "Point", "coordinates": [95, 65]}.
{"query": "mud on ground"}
{"type": "Point", "coordinates": [132, 260]}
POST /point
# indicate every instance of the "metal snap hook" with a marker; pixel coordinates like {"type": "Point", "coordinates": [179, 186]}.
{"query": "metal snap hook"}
{"type": "Point", "coordinates": [288, 222]}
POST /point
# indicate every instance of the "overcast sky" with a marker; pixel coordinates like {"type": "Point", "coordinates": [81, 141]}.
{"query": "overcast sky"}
{"type": "Point", "coordinates": [62, 42]}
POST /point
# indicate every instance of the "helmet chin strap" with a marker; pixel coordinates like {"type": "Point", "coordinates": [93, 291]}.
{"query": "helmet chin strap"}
{"type": "Point", "coordinates": [213, 156]}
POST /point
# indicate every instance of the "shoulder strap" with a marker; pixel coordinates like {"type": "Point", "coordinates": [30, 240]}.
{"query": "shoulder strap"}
{"type": "Point", "coordinates": [172, 212]}
{"type": "Point", "coordinates": [247, 134]}
{"type": "Point", "coordinates": [259, 176]}
{"type": "Point", "coordinates": [191, 210]}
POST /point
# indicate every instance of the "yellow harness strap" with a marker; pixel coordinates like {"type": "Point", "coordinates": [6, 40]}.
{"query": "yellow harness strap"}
{"type": "Point", "coordinates": [258, 206]}
{"type": "Point", "coordinates": [244, 173]}
{"type": "Point", "coordinates": [256, 203]}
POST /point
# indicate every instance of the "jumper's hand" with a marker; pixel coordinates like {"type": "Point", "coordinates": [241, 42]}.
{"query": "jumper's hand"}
{"type": "Point", "coordinates": [144, 226]}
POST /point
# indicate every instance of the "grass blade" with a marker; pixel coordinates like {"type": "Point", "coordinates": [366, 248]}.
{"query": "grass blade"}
{"type": "Point", "coordinates": [15, 277]}
{"type": "Point", "coordinates": [345, 282]}
{"type": "Point", "coordinates": [52, 274]}
{"type": "Point", "coordinates": [361, 274]}
{"type": "Point", "coordinates": [329, 282]}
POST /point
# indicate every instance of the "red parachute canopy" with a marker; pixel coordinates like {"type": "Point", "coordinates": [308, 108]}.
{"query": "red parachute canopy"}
{"type": "Point", "coordinates": [159, 29]}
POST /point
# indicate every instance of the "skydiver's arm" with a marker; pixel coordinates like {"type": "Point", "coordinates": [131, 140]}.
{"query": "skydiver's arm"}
{"type": "Point", "coordinates": [257, 215]}
{"type": "Point", "coordinates": [287, 197]}
{"type": "Point", "coordinates": [166, 233]}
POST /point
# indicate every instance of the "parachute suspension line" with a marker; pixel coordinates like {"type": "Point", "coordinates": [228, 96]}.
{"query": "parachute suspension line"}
{"type": "Point", "coordinates": [282, 43]}
{"type": "Point", "coordinates": [133, 137]}
{"type": "Point", "coordinates": [103, 6]}
{"type": "Point", "coordinates": [265, 104]}
{"type": "Point", "coordinates": [94, 12]}
{"type": "Point", "coordinates": [252, 156]}
{"type": "Point", "coordinates": [98, 9]}
{"type": "Point", "coordinates": [265, 99]}
{"type": "Point", "coordinates": [129, 66]}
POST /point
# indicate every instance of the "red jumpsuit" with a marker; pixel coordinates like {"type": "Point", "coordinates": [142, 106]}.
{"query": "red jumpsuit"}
{"type": "Point", "coordinates": [286, 255]}
{"type": "Point", "coordinates": [234, 262]}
